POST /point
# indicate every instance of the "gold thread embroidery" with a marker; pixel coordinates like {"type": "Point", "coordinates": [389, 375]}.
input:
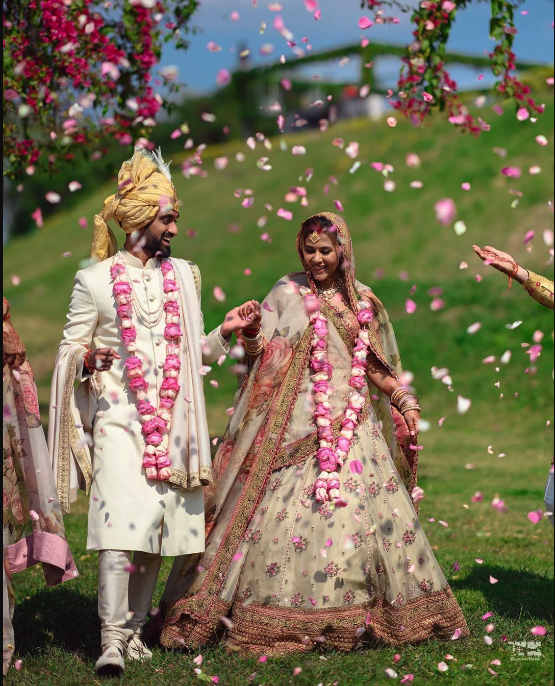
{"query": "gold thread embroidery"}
{"type": "Point", "coordinates": [193, 480]}
{"type": "Point", "coordinates": [197, 278]}
{"type": "Point", "coordinates": [259, 628]}
{"type": "Point", "coordinates": [69, 440]}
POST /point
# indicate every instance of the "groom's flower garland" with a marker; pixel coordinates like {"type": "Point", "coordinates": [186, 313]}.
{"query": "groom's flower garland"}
{"type": "Point", "coordinates": [155, 422]}
{"type": "Point", "coordinates": [332, 453]}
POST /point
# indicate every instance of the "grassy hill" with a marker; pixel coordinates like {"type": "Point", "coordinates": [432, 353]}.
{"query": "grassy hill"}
{"type": "Point", "coordinates": [57, 632]}
{"type": "Point", "coordinates": [393, 232]}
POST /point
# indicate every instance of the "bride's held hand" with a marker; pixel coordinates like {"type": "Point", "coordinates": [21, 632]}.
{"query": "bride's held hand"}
{"type": "Point", "coordinates": [412, 418]}
{"type": "Point", "coordinates": [245, 316]}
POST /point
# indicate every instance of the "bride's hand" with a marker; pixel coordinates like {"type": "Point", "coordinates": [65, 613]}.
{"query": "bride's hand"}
{"type": "Point", "coordinates": [412, 418]}
{"type": "Point", "coordinates": [497, 259]}
{"type": "Point", "coordinates": [246, 315]}
{"type": "Point", "coordinates": [251, 313]}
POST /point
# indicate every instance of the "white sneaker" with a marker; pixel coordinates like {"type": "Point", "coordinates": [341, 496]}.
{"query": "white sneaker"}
{"type": "Point", "coordinates": [137, 650]}
{"type": "Point", "coordinates": [111, 662]}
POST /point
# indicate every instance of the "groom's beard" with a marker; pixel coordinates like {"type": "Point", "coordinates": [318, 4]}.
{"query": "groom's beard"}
{"type": "Point", "coordinates": [154, 245]}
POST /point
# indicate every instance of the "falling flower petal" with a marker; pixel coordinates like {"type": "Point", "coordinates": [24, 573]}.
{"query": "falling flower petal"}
{"type": "Point", "coordinates": [460, 228]}
{"type": "Point", "coordinates": [74, 186]}
{"type": "Point", "coordinates": [445, 211]}
{"type": "Point", "coordinates": [456, 635]}
{"type": "Point", "coordinates": [442, 666]}
{"type": "Point", "coordinates": [493, 580]}
{"type": "Point", "coordinates": [52, 197]}
{"type": "Point", "coordinates": [223, 77]}
{"type": "Point", "coordinates": [542, 140]}
{"type": "Point", "coordinates": [219, 294]}
{"type": "Point", "coordinates": [512, 172]}
{"type": "Point", "coordinates": [356, 466]}
{"type": "Point", "coordinates": [365, 23]}
{"type": "Point", "coordinates": [299, 150]}
{"type": "Point", "coordinates": [535, 517]}
{"type": "Point", "coordinates": [474, 328]}
{"type": "Point", "coordinates": [285, 214]}
{"type": "Point", "coordinates": [538, 631]}
{"type": "Point", "coordinates": [392, 122]}
{"type": "Point", "coordinates": [391, 673]}
{"type": "Point", "coordinates": [410, 306]}
{"type": "Point", "coordinates": [463, 404]}
{"type": "Point", "coordinates": [522, 114]}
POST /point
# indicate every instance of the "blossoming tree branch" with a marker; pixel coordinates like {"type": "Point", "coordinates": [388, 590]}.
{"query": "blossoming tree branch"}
{"type": "Point", "coordinates": [425, 84]}
{"type": "Point", "coordinates": [78, 71]}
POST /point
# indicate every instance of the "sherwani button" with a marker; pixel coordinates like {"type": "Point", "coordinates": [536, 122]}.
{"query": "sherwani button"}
{"type": "Point", "coordinates": [160, 365]}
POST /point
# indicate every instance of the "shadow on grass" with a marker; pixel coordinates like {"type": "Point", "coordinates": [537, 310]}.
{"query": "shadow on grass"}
{"type": "Point", "coordinates": [518, 594]}
{"type": "Point", "coordinates": [57, 617]}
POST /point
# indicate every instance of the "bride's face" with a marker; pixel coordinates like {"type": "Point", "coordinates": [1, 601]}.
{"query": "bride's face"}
{"type": "Point", "coordinates": [323, 259]}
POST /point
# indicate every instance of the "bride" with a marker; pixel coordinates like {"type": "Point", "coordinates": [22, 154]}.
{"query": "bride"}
{"type": "Point", "coordinates": [312, 536]}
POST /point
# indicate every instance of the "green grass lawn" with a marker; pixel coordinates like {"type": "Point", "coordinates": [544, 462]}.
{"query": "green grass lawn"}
{"type": "Point", "coordinates": [57, 631]}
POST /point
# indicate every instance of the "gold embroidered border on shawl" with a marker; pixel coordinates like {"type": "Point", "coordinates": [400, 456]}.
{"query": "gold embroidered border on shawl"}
{"type": "Point", "coordinates": [273, 630]}
{"type": "Point", "coordinates": [190, 481]}
{"type": "Point", "coordinates": [303, 449]}
{"type": "Point", "coordinates": [200, 607]}
{"type": "Point", "coordinates": [69, 441]}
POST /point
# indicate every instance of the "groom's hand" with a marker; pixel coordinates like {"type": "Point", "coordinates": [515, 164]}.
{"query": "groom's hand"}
{"type": "Point", "coordinates": [101, 360]}
{"type": "Point", "coordinates": [245, 316]}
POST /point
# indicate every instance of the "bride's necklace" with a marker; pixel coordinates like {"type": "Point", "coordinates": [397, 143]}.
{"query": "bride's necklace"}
{"type": "Point", "coordinates": [328, 293]}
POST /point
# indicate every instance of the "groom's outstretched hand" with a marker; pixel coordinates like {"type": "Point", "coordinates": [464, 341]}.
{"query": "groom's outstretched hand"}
{"type": "Point", "coordinates": [247, 316]}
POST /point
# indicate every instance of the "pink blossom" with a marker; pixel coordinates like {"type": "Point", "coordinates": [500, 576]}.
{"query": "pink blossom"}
{"type": "Point", "coordinates": [170, 384]}
{"type": "Point", "coordinates": [154, 425]}
{"type": "Point", "coordinates": [167, 403]}
{"type": "Point", "coordinates": [344, 444]}
{"type": "Point", "coordinates": [144, 407]}
{"type": "Point", "coordinates": [163, 461]}
{"type": "Point", "coordinates": [365, 317]}
{"type": "Point", "coordinates": [172, 362]}
{"type": "Point", "coordinates": [122, 288]}
{"type": "Point", "coordinates": [173, 331]}
{"type": "Point", "coordinates": [37, 216]}
{"type": "Point", "coordinates": [170, 286]}
{"type": "Point", "coordinates": [129, 335]}
{"type": "Point", "coordinates": [154, 438]}
{"type": "Point", "coordinates": [116, 270]}
{"type": "Point", "coordinates": [139, 384]}
{"type": "Point", "coordinates": [357, 382]}
{"type": "Point", "coordinates": [327, 459]}
{"type": "Point", "coordinates": [124, 311]}
{"type": "Point", "coordinates": [133, 363]}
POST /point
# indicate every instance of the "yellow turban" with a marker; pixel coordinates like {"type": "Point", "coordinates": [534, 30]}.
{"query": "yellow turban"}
{"type": "Point", "coordinates": [144, 186]}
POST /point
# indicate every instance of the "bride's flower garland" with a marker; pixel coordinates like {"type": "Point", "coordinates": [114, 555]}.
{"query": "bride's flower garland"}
{"type": "Point", "coordinates": [155, 422]}
{"type": "Point", "coordinates": [332, 453]}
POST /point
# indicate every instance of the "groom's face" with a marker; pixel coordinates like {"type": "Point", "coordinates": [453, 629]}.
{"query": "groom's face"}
{"type": "Point", "coordinates": [159, 234]}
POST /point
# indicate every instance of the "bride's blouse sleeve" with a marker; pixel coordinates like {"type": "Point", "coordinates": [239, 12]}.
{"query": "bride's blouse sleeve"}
{"type": "Point", "coordinates": [540, 288]}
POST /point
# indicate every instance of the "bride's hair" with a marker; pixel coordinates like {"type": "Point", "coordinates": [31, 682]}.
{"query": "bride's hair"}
{"type": "Point", "coordinates": [319, 224]}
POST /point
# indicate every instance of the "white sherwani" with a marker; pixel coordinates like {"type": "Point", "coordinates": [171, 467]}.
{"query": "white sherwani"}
{"type": "Point", "coordinates": [127, 511]}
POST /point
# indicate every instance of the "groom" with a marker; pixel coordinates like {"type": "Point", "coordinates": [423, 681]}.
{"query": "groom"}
{"type": "Point", "coordinates": [134, 343]}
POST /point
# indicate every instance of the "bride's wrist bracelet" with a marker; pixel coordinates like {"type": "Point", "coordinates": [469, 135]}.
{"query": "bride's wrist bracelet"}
{"type": "Point", "coordinates": [404, 400]}
{"type": "Point", "coordinates": [254, 344]}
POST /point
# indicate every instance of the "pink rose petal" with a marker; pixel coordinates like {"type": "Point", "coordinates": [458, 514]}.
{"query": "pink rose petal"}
{"type": "Point", "coordinates": [446, 211]}
{"type": "Point", "coordinates": [52, 197]}
{"type": "Point", "coordinates": [223, 77]}
{"type": "Point", "coordinates": [536, 516]}
{"type": "Point", "coordinates": [538, 631]}
{"type": "Point", "coordinates": [285, 214]}
{"type": "Point", "coordinates": [512, 172]}
{"type": "Point", "coordinates": [356, 466]}
{"type": "Point", "coordinates": [493, 580]}
{"type": "Point", "coordinates": [410, 306]}
{"type": "Point", "coordinates": [365, 23]}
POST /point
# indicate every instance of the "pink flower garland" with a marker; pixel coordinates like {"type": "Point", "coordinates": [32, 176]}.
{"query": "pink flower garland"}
{"type": "Point", "coordinates": [155, 422]}
{"type": "Point", "coordinates": [332, 453]}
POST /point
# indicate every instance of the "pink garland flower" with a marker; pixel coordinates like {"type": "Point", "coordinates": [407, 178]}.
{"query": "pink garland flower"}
{"type": "Point", "coordinates": [129, 335]}
{"type": "Point", "coordinates": [173, 331]}
{"type": "Point", "coordinates": [156, 460]}
{"type": "Point", "coordinates": [329, 457]}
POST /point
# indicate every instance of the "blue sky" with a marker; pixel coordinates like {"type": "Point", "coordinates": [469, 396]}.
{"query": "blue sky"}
{"type": "Point", "coordinates": [338, 26]}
